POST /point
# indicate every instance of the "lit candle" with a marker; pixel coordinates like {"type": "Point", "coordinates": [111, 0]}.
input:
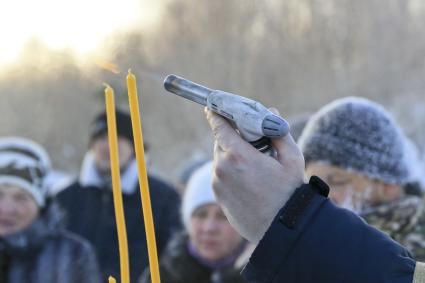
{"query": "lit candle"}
{"type": "Point", "coordinates": [116, 185]}
{"type": "Point", "coordinates": [111, 280]}
{"type": "Point", "coordinates": [143, 177]}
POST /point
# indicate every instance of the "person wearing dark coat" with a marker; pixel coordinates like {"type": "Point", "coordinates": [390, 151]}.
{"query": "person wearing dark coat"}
{"type": "Point", "coordinates": [208, 250]}
{"type": "Point", "coordinates": [34, 247]}
{"type": "Point", "coordinates": [88, 203]}
{"type": "Point", "coordinates": [359, 150]}
{"type": "Point", "coordinates": [299, 234]}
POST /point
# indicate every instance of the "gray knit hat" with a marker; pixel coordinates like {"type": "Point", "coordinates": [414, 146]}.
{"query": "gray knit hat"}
{"type": "Point", "coordinates": [24, 163]}
{"type": "Point", "coordinates": [357, 134]}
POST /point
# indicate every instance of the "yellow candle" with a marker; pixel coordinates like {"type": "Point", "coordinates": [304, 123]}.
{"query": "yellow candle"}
{"type": "Point", "coordinates": [111, 280]}
{"type": "Point", "coordinates": [143, 177]}
{"type": "Point", "coordinates": [116, 185]}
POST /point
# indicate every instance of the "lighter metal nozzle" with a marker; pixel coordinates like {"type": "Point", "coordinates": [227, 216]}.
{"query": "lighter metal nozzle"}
{"type": "Point", "coordinates": [187, 89]}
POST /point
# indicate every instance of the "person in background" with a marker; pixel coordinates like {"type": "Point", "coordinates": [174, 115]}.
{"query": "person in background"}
{"type": "Point", "coordinates": [89, 206]}
{"type": "Point", "coordinates": [209, 248]}
{"type": "Point", "coordinates": [355, 146]}
{"type": "Point", "coordinates": [34, 248]}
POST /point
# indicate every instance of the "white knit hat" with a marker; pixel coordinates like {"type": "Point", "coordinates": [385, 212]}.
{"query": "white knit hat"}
{"type": "Point", "coordinates": [198, 191]}
{"type": "Point", "coordinates": [24, 163]}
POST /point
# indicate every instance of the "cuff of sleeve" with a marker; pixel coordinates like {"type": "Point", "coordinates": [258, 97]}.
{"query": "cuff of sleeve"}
{"type": "Point", "coordinates": [287, 227]}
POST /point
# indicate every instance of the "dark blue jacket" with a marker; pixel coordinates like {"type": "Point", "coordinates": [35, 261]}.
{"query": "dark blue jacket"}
{"type": "Point", "coordinates": [90, 213]}
{"type": "Point", "coordinates": [315, 241]}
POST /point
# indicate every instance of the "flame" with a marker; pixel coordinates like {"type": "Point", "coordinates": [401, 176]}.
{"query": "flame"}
{"type": "Point", "coordinates": [102, 63]}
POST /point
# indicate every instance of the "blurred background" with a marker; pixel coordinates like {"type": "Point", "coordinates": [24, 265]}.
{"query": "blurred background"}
{"type": "Point", "coordinates": [295, 55]}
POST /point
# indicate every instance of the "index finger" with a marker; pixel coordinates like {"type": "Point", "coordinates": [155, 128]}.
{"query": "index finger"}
{"type": "Point", "coordinates": [224, 134]}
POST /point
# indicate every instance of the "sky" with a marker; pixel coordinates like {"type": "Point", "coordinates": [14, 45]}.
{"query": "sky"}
{"type": "Point", "coordinates": [79, 25]}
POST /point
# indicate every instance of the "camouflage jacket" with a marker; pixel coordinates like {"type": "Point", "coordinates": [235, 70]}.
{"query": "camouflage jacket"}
{"type": "Point", "coordinates": [402, 220]}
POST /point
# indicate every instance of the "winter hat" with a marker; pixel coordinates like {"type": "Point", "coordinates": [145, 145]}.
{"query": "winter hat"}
{"type": "Point", "coordinates": [357, 134]}
{"type": "Point", "coordinates": [99, 125]}
{"type": "Point", "coordinates": [24, 163]}
{"type": "Point", "coordinates": [198, 192]}
{"type": "Point", "coordinates": [190, 168]}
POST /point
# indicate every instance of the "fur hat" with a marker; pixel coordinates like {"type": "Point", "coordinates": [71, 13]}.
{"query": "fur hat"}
{"type": "Point", "coordinates": [360, 135]}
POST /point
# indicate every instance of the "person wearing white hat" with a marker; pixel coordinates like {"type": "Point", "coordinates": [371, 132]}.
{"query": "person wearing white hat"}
{"type": "Point", "coordinates": [209, 248]}
{"type": "Point", "coordinates": [31, 236]}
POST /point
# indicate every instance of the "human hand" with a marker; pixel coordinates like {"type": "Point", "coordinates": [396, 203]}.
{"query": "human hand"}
{"type": "Point", "coordinates": [251, 186]}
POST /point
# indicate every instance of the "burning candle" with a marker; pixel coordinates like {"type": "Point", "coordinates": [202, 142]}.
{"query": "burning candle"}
{"type": "Point", "coordinates": [116, 185]}
{"type": "Point", "coordinates": [143, 177]}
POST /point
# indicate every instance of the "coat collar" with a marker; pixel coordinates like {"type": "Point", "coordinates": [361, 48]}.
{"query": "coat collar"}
{"type": "Point", "coordinates": [90, 177]}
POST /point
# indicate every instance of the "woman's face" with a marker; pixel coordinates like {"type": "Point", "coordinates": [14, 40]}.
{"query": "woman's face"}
{"type": "Point", "coordinates": [352, 190]}
{"type": "Point", "coordinates": [18, 209]}
{"type": "Point", "coordinates": [211, 233]}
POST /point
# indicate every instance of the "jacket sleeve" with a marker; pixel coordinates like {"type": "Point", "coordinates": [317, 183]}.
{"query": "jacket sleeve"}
{"type": "Point", "coordinates": [327, 244]}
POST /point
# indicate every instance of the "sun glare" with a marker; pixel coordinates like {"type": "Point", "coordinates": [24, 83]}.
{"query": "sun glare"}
{"type": "Point", "coordinates": [77, 24]}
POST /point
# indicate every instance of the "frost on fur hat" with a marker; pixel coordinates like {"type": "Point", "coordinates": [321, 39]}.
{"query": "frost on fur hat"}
{"type": "Point", "coordinates": [198, 192]}
{"type": "Point", "coordinates": [357, 134]}
{"type": "Point", "coordinates": [24, 164]}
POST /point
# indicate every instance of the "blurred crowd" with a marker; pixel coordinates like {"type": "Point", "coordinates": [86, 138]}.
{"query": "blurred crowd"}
{"type": "Point", "coordinates": [55, 231]}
